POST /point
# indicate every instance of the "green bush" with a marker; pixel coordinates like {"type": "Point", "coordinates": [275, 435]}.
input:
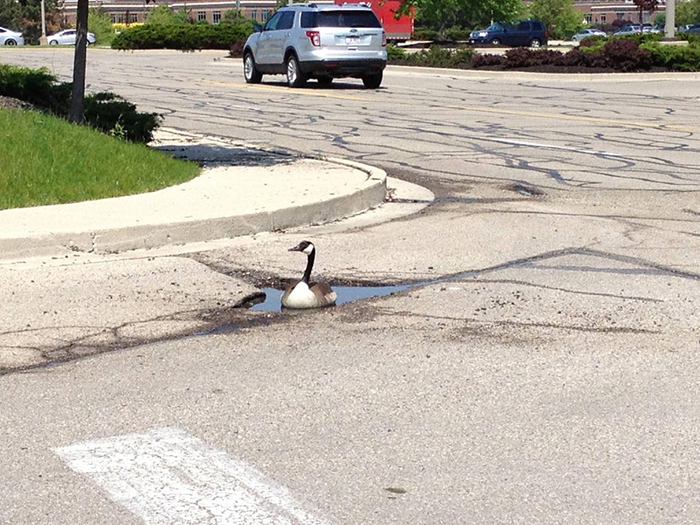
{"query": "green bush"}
{"type": "Point", "coordinates": [437, 56]}
{"type": "Point", "coordinates": [422, 33]}
{"type": "Point", "coordinates": [113, 115]}
{"type": "Point", "coordinates": [182, 36]}
{"type": "Point", "coordinates": [395, 53]}
{"type": "Point", "coordinates": [676, 58]}
{"type": "Point", "coordinates": [104, 111]}
{"type": "Point", "coordinates": [100, 24]}
{"type": "Point", "coordinates": [456, 34]}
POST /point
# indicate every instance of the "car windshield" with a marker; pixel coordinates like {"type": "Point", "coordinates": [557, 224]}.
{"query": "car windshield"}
{"type": "Point", "coordinates": [496, 26]}
{"type": "Point", "coordinates": [345, 18]}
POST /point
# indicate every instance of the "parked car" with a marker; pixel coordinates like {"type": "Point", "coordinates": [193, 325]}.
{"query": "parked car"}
{"type": "Point", "coordinates": [318, 41]}
{"type": "Point", "coordinates": [694, 29]}
{"type": "Point", "coordinates": [8, 37]}
{"type": "Point", "coordinates": [520, 33]}
{"type": "Point", "coordinates": [67, 38]}
{"type": "Point", "coordinates": [628, 30]}
{"type": "Point", "coordinates": [585, 33]}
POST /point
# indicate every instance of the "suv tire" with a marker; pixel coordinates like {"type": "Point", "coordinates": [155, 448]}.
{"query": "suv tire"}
{"type": "Point", "coordinates": [373, 80]}
{"type": "Point", "coordinates": [535, 42]}
{"type": "Point", "coordinates": [496, 42]}
{"type": "Point", "coordinates": [295, 77]}
{"type": "Point", "coordinates": [250, 71]}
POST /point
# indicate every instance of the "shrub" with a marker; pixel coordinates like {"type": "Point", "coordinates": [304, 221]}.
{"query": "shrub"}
{"type": "Point", "coordinates": [425, 34]}
{"type": "Point", "coordinates": [593, 42]}
{"type": "Point", "coordinates": [520, 57]}
{"type": "Point", "coordinates": [109, 112]}
{"type": "Point", "coordinates": [486, 60]}
{"type": "Point", "coordinates": [436, 56]}
{"type": "Point", "coordinates": [182, 36]}
{"type": "Point", "coordinates": [677, 58]}
{"type": "Point", "coordinates": [456, 33]}
{"type": "Point", "coordinates": [236, 49]}
{"type": "Point", "coordinates": [395, 53]}
{"type": "Point", "coordinates": [100, 24]}
{"type": "Point", "coordinates": [103, 111]}
{"type": "Point", "coordinates": [626, 55]}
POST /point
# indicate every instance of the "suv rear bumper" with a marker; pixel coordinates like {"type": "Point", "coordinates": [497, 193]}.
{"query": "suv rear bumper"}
{"type": "Point", "coordinates": [342, 68]}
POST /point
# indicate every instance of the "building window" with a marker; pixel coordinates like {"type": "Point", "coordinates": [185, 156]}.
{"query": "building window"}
{"type": "Point", "coordinates": [588, 17]}
{"type": "Point", "coordinates": [620, 16]}
{"type": "Point", "coordinates": [133, 18]}
{"type": "Point", "coordinates": [265, 15]}
{"type": "Point", "coordinates": [216, 16]}
{"type": "Point", "coordinates": [254, 14]}
{"type": "Point", "coordinates": [603, 19]}
{"type": "Point", "coordinates": [201, 15]}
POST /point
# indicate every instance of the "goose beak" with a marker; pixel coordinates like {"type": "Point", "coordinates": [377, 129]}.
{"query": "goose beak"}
{"type": "Point", "coordinates": [297, 248]}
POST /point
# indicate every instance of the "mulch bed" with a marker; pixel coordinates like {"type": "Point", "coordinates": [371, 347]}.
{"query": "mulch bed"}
{"type": "Point", "coordinates": [13, 103]}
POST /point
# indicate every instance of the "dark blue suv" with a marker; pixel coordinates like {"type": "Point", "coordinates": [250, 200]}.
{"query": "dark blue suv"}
{"type": "Point", "coordinates": [531, 33]}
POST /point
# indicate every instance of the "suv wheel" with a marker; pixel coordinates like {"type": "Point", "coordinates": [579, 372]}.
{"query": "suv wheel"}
{"type": "Point", "coordinates": [496, 42]}
{"type": "Point", "coordinates": [295, 78]}
{"type": "Point", "coordinates": [535, 42]}
{"type": "Point", "coordinates": [373, 80]}
{"type": "Point", "coordinates": [250, 72]}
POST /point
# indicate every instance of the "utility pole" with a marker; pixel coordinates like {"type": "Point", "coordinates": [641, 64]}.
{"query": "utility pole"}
{"type": "Point", "coordinates": [670, 27]}
{"type": "Point", "coordinates": [42, 38]}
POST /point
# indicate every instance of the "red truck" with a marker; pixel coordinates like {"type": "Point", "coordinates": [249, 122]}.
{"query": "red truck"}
{"type": "Point", "coordinates": [396, 30]}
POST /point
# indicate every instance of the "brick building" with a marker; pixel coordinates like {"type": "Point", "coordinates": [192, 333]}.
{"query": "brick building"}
{"type": "Point", "coordinates": [606, 12]}
{"type": "Point", "coordinates": [130, 11]}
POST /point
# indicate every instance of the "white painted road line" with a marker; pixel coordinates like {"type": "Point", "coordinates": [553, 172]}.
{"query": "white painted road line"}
{"type": "Point", "coordinates": [168, 477]}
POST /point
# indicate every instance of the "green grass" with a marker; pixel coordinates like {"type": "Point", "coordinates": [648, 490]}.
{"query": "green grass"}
{"type": "Point", "coordinates": [46, 160]}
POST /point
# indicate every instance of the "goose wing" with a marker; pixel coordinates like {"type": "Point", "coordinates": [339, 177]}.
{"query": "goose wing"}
{"type": "Point", "coordinates": [324, 292]}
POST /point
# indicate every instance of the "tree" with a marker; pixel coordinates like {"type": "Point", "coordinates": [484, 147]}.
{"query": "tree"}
{"type": "Point", "coordinates": [25, 16]}
{"type": "Point", "coordinates": [100, 24]}
{"type": "Point", "coordinates": [442, 14]}
{"type": "Point", "coordinates": [233, 16]}
{"type": "Point", "coordinates": [560, 17]}
{"type": "Point", "coordinates": [688, 12]}
{"type": "Point", "coordinates": [77, 101]}
{"type": "Point", "coordinates": [162, 14]}
{"type": "Point", "coordinates": [646, 5]}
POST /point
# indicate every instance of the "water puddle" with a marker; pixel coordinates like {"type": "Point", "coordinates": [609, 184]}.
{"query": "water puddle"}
{"type": "Point", "coordinates": [346, 294]}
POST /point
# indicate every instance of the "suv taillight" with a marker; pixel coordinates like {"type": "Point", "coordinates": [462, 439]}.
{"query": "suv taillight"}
{"type": "Point", "coordinates": [383, 38]}
{"type": "Point", "coordinates": [314, 37]}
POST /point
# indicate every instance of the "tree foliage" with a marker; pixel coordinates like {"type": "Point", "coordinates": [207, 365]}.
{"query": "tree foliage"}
{"type": "Point", "coordinates": [25, 16]}
{"type": "Point", "coordinates": [162, 14]}
{"type": "Point", "coordinates": [442, 14]}
{"type": "Point", "coordinates": [560, 17]}
{"type": "Point", "coordinates": [646, 5]}
{"type": "Point", "coordinates": [687, 12]}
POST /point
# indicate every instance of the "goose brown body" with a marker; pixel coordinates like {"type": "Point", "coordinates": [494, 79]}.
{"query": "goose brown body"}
{"type": "Point", "coordinates": [306, 294]}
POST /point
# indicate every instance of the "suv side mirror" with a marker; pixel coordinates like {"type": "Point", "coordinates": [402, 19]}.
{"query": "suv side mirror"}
{"type": "Point", "coordinates": [257, 28]}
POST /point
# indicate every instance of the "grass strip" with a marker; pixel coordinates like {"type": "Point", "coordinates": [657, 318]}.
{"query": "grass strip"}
{"type": "Point", "coordinates": [46, 160]}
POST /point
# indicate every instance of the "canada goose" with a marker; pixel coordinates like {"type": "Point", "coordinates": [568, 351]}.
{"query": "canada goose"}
{"type": "Point", "coordinates": [304, 294]}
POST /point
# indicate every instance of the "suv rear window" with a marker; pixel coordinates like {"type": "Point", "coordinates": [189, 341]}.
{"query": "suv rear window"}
{"type": "Point", "coordinates": [343, 18]}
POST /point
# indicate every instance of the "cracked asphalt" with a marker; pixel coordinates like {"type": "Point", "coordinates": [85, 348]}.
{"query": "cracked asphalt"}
{"type": "Point", "coordinates": [543, 369]}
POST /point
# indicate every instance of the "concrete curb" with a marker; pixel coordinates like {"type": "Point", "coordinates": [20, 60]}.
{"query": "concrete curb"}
{"type": "Point", "coordinates": [273, 214]}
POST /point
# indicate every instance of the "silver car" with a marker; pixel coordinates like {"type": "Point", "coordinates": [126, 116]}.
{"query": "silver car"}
{"type": "Point", "coordinates": [68, 37]}
{"type": "Point", "coordinates": [324, 42]}
{"type": "Point", "coordinates": [8, 37]}
{"type": "Point", "coordinates": [585, 33]}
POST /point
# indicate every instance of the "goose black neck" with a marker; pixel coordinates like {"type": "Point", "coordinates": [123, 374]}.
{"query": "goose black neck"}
{"type": "Point", "coordinates": [309, 265]}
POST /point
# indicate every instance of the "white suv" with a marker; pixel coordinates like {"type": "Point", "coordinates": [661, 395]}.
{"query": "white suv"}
{"type": "Point", "coordinates": [323, 42]}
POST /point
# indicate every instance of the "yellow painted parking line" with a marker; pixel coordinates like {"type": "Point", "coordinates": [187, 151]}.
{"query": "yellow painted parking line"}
{"type": "Point", "coordinates": [476, 109]}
